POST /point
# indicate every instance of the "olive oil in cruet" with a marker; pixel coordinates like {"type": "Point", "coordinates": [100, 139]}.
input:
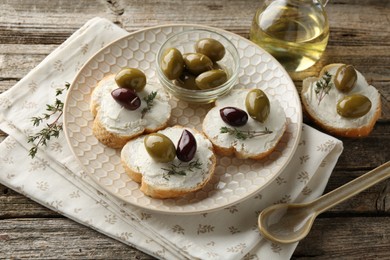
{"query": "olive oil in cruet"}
{"type": "Point", "coordinates": [295, 32]}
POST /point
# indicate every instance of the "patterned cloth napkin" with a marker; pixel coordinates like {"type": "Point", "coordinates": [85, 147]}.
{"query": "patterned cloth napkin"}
{"type": "Point", "coordinates": [54, 179]}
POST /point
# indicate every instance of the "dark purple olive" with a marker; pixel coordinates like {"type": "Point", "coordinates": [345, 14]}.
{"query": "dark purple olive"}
{"type": "Point", "coordinates": [186, 147]}
{"type": "Point", "coordinates": [233, 116]}
{"type": "Point", "coordinates": [126, 97]}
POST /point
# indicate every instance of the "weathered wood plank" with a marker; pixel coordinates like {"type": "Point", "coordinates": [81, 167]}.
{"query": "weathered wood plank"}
{"type": "Point", "coordinates": [6, 84]}
{"type": "Point", "coordinates": [42, 238]}
{"type": "Point", "coordinates": [15, 205]}
{"type": "Point", "coordinates": [375, 200]}
{"type": "Point", "coordinates": [32, 21]}
{"type": "Point", "coordinates": [368, 152]}
{"type": "Point", "coordinates": [347, 238]}
{"type": "Point", "coordinates": [60, 20]}
{"type": "Point", "coordinates": [17, 60]}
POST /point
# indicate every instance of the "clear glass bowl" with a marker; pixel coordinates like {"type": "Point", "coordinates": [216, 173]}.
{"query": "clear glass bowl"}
{"type": "Point", "coordinates": [185, 43]}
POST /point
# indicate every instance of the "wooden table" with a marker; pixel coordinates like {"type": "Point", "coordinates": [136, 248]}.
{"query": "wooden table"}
{"type": "Point", "coordinates": [360, 35]}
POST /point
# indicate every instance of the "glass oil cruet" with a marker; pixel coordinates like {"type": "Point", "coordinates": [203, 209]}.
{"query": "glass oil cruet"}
{"type": "Point", "coordinates": [295, 32]}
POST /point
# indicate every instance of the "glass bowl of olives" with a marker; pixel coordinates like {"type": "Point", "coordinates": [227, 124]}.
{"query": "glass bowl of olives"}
{"type": "Point", "coordinates": [198, 65]}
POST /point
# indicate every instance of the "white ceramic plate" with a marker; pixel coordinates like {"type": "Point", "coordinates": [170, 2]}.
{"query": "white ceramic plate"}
{"type": "Point", "coordinates": [234, 180]}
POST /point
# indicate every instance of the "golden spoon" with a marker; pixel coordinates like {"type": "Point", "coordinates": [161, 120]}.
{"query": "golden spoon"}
{"type": "Point", "coordinates": [288, 223]}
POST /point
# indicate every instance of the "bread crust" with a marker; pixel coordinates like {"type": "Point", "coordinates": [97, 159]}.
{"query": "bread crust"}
{"type": "Point", "coordinates": [108, 138]}
{"type": "Point", "coordinates": [351, 132]}
{"type": "Point", "coordinates": [158, 192]}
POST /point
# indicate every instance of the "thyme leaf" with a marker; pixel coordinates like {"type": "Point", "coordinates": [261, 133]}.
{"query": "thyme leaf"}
{"type": "Point", "coordinates": [149, 102]}
{"type": "Point", "coordinates": [52, 129]}
{"type": "Point", "coordinates": [243, 135]}
{"type": "Point", "coordinates": [181, 169]}
{"type": "Point", "coordinates": [323, 86]}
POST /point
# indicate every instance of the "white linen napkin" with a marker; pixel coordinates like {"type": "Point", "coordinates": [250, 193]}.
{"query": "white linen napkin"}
{"type": "Point", "coordinates": [54, 179]}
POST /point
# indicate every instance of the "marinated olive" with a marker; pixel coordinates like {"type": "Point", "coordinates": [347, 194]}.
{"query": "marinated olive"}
{"type": "Point", "coordinates": [187, 81]}
{"type": "Point", "coordinates": [211, 48]}
{"type": "Point", "coordinates": [211, 79]}
{"type": "Point", "coordinates": [131, 78]}
{"type": "Point", "coordinates": [197, 63]}
{"type": "Point", "coordinates": [172, 63]}
{"type": "Point", "coordinates": [353, 106]}
{"type": "Point", "coordinates": [160, 147]}
{"type": "Point", "coordinates": [257, 105]}
{"type": "Point", "coordinates": [345, 78]}
{"type": "Point", "coordinates": [126, 97]}
{"type": "Point", "coordinates": [186, 147]}
{"type": "Point", "coordinates": [233, 116]}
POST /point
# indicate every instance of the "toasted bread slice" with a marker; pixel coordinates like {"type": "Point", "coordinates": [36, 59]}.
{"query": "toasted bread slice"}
{"type": "Point", "coordinates": [324, 112]}
{"type": "Point", "coordinates": [115, 125]}
{"type": "Point", "coordinates": [253, 147]}
{"type": "Point", "coordinates": [156, 179]}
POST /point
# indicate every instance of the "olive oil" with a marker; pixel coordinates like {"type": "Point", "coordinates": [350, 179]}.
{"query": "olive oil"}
{"type": "Point", "coordinates": [294, 32]}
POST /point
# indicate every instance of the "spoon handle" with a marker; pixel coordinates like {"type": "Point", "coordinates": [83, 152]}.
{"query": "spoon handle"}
{"type": "Point", "coordinates": [352, 188]}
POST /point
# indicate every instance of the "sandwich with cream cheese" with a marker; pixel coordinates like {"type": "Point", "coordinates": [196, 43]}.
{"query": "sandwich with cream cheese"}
{"type": "Point", "coordinates": [246, 123]}
{"type": "Point", "coordinates": [117, 120]}
{"type": "Point", "coordinates": [170, 163]}
{"type": "Point", "coordinates": [341, 101]}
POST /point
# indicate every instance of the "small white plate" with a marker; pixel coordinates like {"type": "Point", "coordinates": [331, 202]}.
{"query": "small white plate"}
{"type": "Point", "coordinates": [234, 179]}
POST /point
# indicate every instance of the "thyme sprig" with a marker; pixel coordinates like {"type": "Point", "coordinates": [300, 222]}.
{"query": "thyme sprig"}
{"type": "Point", "coordinates": [52, 129]}
{"type": "Point", "coordinates": [243, 135]}
{"type": "Point", "coordinates": [149, 99]}
{"type": "Point", "coordinates": [323, 86]}
{"type": "Point", "coordinates": [181, 169]}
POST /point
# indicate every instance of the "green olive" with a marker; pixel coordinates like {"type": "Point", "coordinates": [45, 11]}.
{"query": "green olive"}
{"type": "Point", "coordinates": [211, 48]}
{"type": "Point", "coordinates": [186, 80]}
{"type": "Point", "coordinates": [353, 106]}
{"type": "Point", "coordinates": [131, 78]}
{"type": "Point", "coordinates": [197, 63]}
{"type": "Point", "coordinates": [160, 147]}
{"type": "Point", "coordinates": [257, 105]}
{"type": "Point", "coordinates": [172, 63]}
{"type": "Point", "coordinates": [345, 78]}
{"type": "Point", "coordinates": [211, 79]}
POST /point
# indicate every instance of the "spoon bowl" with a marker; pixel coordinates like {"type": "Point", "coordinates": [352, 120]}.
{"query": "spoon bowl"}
{"type": "Point", "coordinates": [289, 223]}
